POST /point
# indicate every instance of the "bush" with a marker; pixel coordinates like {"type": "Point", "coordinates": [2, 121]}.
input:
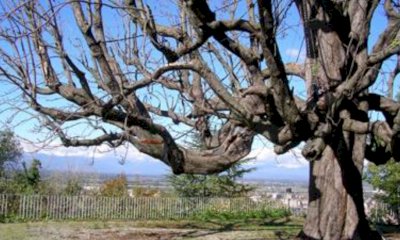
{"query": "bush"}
{"type": "Point", "coordinates": [264, 213]}
{"type": "Point", "coordinates": [146, 192]}
{"type": "Point", "coordinates": [386, 178]}
{"type": "Point", "coordinates": [73, 187]}
{"type": "Point", "coordinates": [25, 181]}
{"type": "Point", "coordinates": [116, 187]}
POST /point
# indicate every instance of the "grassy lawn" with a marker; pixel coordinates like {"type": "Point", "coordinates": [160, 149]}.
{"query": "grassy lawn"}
{"type": "Point", "coordinates": [148, 230]}
{"type": "Point", "coordinates": [282, 228]}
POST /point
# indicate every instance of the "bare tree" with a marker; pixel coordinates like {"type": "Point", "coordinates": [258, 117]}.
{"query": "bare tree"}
{"type": "Point", "coordinates": [146, 74]}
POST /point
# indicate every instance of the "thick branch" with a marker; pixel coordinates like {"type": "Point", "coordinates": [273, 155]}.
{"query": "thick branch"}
{"type": "Point", "coordinates": [378, 128]}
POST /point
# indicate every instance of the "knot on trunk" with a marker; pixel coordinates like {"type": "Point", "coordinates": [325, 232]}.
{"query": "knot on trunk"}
{"type": "Point", "coordinates": [313, 149]}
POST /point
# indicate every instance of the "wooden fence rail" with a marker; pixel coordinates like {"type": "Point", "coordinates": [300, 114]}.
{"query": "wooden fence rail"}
{"type": "Point", "coordinates": [95, 207]}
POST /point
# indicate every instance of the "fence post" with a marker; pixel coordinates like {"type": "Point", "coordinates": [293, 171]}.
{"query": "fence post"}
{"type": "Point", "coordinates": [21, 206]}
{"type": "Point", "coordinates": [3, 206]}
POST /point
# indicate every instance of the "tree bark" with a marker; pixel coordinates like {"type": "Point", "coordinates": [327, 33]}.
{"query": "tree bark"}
{"type": "Point", "coordinates": [336, 209]}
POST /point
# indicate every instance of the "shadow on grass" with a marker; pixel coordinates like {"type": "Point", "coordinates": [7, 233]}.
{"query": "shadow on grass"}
{"type": "Point", "coordinates": [389, 228]}
{"type": "Point", "coordinates": [280, 228]}
{"type": "Point", "coordinates": [281, 235]}
{"type": "Point", "coordinates": [388, 231]}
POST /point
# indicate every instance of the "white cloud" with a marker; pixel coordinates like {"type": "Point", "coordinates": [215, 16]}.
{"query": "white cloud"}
{"type": "Point", "coordinates": [292, 159]}
{"type": "Point", "coordinates": [102, 152]}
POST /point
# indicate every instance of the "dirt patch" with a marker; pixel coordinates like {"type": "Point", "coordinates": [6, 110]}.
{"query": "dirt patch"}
{"type": "Point", "coordinates": [106, 234]}
{"type": "Point", "coordinates": [153, 234]}
{"type": "Point", "coordinates": [159, 234]}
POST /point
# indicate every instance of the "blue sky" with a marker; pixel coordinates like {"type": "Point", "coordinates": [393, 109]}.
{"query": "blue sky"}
{"type": "Point", "coordinates": [267, 163]}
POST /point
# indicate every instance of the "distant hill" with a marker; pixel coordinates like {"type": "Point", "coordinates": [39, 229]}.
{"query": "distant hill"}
{"type": "Point", "coordinates": [269, 169]}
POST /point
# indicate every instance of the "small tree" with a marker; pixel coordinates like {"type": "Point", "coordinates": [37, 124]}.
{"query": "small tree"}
{"type": "Point", "coordinates": [115, 187]}
{"type": "Point", "coordinates": [10, 151]}
{"type": "Point", "coordinates": [24, 181]}
{"type": "Point", "coordinates": [386, 178]}
{"type": "Point", "coordinates": [32, 174]}
{"type": "Point", "coordinates": [225, 184]}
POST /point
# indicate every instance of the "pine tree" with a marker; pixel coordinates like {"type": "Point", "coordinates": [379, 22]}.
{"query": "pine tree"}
{"type": "Point", "coordinates": [225, 184]}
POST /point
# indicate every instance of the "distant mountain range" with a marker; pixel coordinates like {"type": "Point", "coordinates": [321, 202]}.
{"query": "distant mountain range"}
{"type": "Point", "coordinates": [267, 165]}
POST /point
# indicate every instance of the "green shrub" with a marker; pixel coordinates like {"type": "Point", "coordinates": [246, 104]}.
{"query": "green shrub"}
{"type": "Point", "coordinates": [264, 213]}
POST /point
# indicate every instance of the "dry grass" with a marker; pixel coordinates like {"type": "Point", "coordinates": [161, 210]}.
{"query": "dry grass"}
{"type": "Point", "coordinates": [146, 230]}
{"type": "Point", "coordinates": [160, 230]}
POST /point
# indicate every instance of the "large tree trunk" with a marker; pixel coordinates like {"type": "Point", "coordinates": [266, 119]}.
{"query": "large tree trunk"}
{"type": "Point", "coordinates": [336, 209]}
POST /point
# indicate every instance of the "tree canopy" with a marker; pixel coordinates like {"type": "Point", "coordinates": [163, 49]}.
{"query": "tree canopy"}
{"type": "Point", "coordinates": [115, 187]}
{"type": "Point", "coordinates": [10, 152]}
{"type": "Point", "coordinates": [386, 178]}
{"type": "Point", "coordinates": [134, 72]}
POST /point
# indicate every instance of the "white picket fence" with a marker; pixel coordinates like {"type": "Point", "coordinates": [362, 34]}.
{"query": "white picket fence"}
{"type": "Point", "coordinates": [94, 207]}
